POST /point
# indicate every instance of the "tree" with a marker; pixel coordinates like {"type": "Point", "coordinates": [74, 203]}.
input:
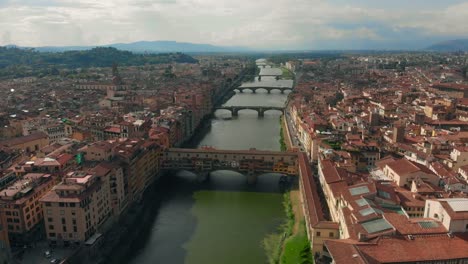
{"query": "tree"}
{"type": "Point", "coordinates": [306, 254]}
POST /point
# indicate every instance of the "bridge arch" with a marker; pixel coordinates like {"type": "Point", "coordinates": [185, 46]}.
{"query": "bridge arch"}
{"type": "Point", "coordinates": [273, 109]}
{"type": "Point", "coordinates": [242, 89]}
{"type": "Point", "coordinates": [223, 109]}
{"type": "Point", "coordinates": [281, 89]}
{"type": "Point", "coordinates": [254, 88]}
{"type": "Point", "coordinates": [234, 175]}
{"type": "Point", "coordinates": [247, 108]}
{"type": "Point", "coordinates": [267, 89]}
{"type": "Point", "coordinates": [260, 109]}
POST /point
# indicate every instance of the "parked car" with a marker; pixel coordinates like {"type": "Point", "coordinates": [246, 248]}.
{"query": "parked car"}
{"type": "Point", "coordinates": [55, 261]}
{"type": "Point", "coordinates": [47, 253]}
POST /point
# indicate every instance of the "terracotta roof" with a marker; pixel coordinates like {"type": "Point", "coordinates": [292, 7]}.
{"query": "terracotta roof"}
{"type": "Point", "coordinates": [409, 199]}
{"type": "Point", "coordinates": [25, 139]}
{"type": "Point", "coordinates": [314, 206]}
{"type": "Point", "coordinates": [331, 173]}
{"type": "Point", "coordinates": [399, 249]}
{"type": "Point", "coordinates": [343, 251]}
{"type": "Point", "coordinates": [64, 158]}
{"type": "Point", "coordinates": [421, 248]}
{"type": "Point", "coordinates": [414, 226]}
{"type": "Point", "coordinates": [384, 161]}
{"type": "Point", "coordinates": [403, 166]}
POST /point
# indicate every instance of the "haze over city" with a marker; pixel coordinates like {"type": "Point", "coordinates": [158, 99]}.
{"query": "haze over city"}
{"type": "Point", "coordinates": [262, 24]}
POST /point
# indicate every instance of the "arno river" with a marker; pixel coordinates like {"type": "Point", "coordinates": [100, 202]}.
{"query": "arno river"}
{"type": "Point", "coordinates": [223, 220]}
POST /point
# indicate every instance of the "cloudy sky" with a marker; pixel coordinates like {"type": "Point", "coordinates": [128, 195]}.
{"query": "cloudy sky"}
{"type": "Point", "coordinates": [270, 24]}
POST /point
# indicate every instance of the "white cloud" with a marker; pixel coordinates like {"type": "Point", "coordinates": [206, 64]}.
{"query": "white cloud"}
{"type": "Point", "coordinates": [255, 23]}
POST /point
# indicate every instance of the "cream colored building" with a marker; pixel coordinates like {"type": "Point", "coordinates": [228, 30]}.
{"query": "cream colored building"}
{"type": "Point", "coordinates": [75, 209]}
{"type": "Point", "coordinates": [458, 158]}
{"type": "Point", "coordinates": [98, 151]}
{"type": "Point", "coordinates": [21, 207]}
{"type": "Point", "coordinates": [29, 143]}
{"type": "Point", "coordinates": [403, 172]}
{"type": "Point", "coordinates": [452, 212]}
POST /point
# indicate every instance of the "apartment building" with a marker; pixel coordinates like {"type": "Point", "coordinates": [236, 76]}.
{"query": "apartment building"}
{"type": "Point", "coordinates": [141, 162]}
{"type": "Point", "coordinates": [29, 143]}
{"type": "Point", "coordinates": [21, 207]}
{"type": "Point", "coordinates": [452, 212]}
{"type": "Point", "coordinates": [75, 209]}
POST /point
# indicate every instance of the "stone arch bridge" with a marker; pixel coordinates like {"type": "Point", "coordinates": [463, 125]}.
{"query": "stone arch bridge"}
{"type": "Point", "coordinates": [268, 89]}
{"type": "Point", "coordinates": [260, 109]}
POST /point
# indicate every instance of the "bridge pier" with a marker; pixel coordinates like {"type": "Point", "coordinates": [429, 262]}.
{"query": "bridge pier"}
{"type": "Point", "coordinates": [203, 176]}
{"type": "Point", "coordinates": [261, 113]}
{"type": "Point", "coordinates": [254, 90]}
{"type": "Point", "coordinates": [252, 178]}
{"type": "Point", "coordinates": [241, 90]}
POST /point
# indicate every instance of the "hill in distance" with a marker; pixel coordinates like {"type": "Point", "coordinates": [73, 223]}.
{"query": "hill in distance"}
{"type": "Point", "coordinates": [450, 45]}
{"type": "Point", "coordinates": [19, 62]}
{"type": "Point", "coordinates": [151, 47]}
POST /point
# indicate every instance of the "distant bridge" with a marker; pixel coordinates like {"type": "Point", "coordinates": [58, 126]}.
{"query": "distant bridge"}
{"type": "Point", "coordinates": [248, 162]}
{"type": "Point", "coordinates": [268, 89]}
{"type": "Point", "coordinates": [260, 109]}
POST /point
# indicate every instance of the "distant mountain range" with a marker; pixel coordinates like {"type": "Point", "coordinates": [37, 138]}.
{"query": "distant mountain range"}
{"type": "Point", "coordinates": [152, 47]}
{"type": "Point", "coordinates": [187, 47]}
{"type": "Point", "coordinates": [450, 45]}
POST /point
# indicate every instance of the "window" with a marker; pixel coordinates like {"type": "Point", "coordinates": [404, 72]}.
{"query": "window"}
{"type": "Point", "coordinates": [62, 212]}
{"type": "Point", "coordinates": [63, 220]}
{"type": "Point", "coordinates": [330, 234]}
{"type": "Point", "coordinates": [51, 227]}
{"type": "Point", "coordinates": [318, 234]}
{"type": "Point", "coordinates": [49, 211]}
{"type": "Point", "coordinates": [51, 234]}
{"type": "Point", "coordinates": [50, 219]}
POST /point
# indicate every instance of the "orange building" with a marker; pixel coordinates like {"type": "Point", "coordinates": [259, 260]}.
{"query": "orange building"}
{"type": "Point", "coordinates": [21, 207]}
{"type": "Point", "coordinates": [76, 208]}
{"type": "Point", "coordinates": [30, 143]}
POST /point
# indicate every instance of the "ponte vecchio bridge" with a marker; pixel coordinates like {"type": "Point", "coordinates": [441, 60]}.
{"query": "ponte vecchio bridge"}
{"type": "Point", "coordinates": [260, 109]}
{"type": "Point", "coordinates": [248, 162]}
